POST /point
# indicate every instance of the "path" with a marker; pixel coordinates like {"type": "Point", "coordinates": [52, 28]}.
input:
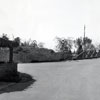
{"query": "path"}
{"type": "Point", "coordinates": [74, 80]}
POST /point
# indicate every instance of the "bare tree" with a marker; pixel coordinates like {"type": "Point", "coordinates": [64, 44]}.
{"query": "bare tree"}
{"type": "Point", "coordinates": [63, 45]}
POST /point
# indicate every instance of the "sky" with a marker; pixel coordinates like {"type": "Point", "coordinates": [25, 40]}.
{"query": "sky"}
{"type": "Point", "coordinates": [43, 20]}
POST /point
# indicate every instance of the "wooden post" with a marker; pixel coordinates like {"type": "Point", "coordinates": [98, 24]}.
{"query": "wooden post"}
{"type": "Point", "coordinates": [11, 54]}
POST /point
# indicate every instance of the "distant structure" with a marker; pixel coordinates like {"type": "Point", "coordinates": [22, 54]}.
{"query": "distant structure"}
{"type": "Point", "coordinates": [8, 71]}
{"type": "Point", "coordinates": [10, 45]}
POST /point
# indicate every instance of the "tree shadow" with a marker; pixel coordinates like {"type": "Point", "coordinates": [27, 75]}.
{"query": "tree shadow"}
{"type": "Point", "coordinates": [25, 82]}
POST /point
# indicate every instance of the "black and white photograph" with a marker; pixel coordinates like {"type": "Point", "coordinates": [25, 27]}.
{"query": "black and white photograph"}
{"type": "Point", "coordinates": [49, 49]}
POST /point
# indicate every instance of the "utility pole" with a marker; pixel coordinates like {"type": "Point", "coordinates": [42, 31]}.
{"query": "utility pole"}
{"type": "Point", "coordinates": [84, 42]}
{"type": "Point", "coordinates": [84, 34]}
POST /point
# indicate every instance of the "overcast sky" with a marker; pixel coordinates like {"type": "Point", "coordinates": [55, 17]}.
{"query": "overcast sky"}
{"type": "Point", "coordinates": [43, 20]}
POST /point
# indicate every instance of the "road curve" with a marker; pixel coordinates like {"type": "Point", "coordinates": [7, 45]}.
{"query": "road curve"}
{"type": "Point", "coordinates": [74, 80]}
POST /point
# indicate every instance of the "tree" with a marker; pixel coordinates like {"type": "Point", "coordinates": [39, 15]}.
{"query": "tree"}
{"type": "Point", "coordinates": [34, 44]}
{"type": "Point", "coordinates": [85, 43]}
{"type": "Point", "coordinates": [18, 40]}
{"type": "Point", "coordinates": [84, 46]}
{"type": "Point", "coordinates": [63, 45]}
{"type": "Point", "coordinates": [78, 44]}
{"type": "Point", "coordinates": [25, 43]}
{"type": "Point", "coordinates": [87, 40]}
{"type": "Point", "coordinates": [41, 45]}
{"type": "Point", "coordinates": [4, 36]}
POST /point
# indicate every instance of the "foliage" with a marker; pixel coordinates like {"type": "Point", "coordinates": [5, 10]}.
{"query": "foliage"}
{"type": "Point", "coordinates": [41, 45]}
{"type": "Point", "coordinates": [83, 45]}
{"type": "Point", "coordinates": [30, 43]}
{"type": "Point", "coordinates": [64, 45]}
{"type": "Point", "coordinates": [87, 40]}
{"type": "Point", "coordinates": [34, 44]}
{"type": "Point", "coordinates": [18, 40]}
{"type": "Point", "coordinates": [5, 36]}
{"type": "Point", "coordinates": [81, 42]}
{"type": "Point", "coordinates": [31, 54]}
{"type": "Point", "coordinates": [78, 42]}
{"type": "Point", "coordinates": [32, 51]}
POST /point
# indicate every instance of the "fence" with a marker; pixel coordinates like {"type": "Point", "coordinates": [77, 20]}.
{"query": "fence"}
{"type": "Point", "coordinates": [87, 54]}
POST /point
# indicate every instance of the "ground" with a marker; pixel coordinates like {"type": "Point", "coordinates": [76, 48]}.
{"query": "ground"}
{"type": "Point", "coordinates": [70, 80]}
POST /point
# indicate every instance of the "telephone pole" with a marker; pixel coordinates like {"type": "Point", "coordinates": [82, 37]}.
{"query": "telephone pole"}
{"type": "Point", "coordinates": [84, 31]}
{"type": "Point", "coordinates": [84, 41]}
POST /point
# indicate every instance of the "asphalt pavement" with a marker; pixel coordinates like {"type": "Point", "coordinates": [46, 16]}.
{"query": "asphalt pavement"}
{"type": "Point", "coordinates": [70, 80]}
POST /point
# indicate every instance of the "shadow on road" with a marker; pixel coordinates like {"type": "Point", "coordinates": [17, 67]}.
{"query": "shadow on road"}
{"type": "Point", "coordinates": [25, 83]}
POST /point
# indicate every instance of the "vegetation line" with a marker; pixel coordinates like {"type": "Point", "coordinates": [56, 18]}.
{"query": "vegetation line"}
{"type": "Point", "coordinates": [66, 49]}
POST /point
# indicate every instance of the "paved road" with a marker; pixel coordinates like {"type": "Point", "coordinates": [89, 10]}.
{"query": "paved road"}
{"type": "Point", "coordinates": [74, 80]}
